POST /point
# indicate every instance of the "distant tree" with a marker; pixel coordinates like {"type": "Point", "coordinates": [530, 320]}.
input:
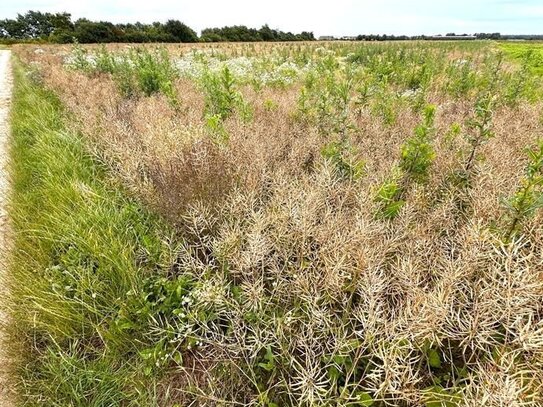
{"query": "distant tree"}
{"type": "Point", "coordinates": [12, 29]}
{"type": "Point", "coordinates": [242, 33]}
{"type": "Point", "coordinates": [267, 34]}
{"type": "Point", "coordinates": [62, 21]}
{"type": "Point", "coordinates": [488, 36]}
{"type": "Point", "coordinates": [180, 32]}
{"type": "Point", "coordinates": [35, 25]}
{"type": "Point", "coordinates": [87, 32]}
{"type": "Point", "coordinates": [306, 36]}
{"type": "Point", "coordinates": [210, 35]}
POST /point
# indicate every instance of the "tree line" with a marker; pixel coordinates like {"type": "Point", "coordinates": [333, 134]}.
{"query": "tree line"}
{"type": "Point", "coordinates": [59, 28]}
{"type": "Point", "coordinates": [241, 33]}
{"type": "Point", "coordinates": [478, 36]}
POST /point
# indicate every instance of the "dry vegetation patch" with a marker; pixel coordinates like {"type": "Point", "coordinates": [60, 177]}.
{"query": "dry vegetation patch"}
{"type": "Point", "coordinates": [355, 224]}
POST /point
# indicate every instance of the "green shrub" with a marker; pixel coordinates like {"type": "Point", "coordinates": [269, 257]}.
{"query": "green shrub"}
{"type": "Point", "coordinates": [105, 61]}
{"type": "Point", "coordinates": [79, 59]}
{"type": "Point", "coordinates": [325, 99]}
{"type": "Point", "coordinates": [480, 126]}
{"type": "Point", "coordinates": [344, 160]}
{"type": "Point", "coordinates": [154, 71]}
{"type": "Point", "coordinates": [140, 71]}
{"type": "Point", "coordinates": [417, 154]}
{"type": "Point", "coordinates": [221, 94]}
{"type": "Point", "coordinates": [529, 197]}
{"type": "Point", "coordinates": [388, 198]}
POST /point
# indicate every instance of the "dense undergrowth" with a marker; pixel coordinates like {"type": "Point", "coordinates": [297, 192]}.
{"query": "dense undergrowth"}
{"type": "Point", "coordinates": [354, 226]}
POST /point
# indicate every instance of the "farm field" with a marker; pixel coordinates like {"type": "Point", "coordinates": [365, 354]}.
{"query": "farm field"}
{"type": "Point", "coordinates": [291, 224]}
{"type": "Point", "coordinates": [529, 54]}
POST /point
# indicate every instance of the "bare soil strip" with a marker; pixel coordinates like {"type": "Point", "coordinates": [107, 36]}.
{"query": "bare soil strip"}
{"type": "Point", "coordinates": [5, 98]}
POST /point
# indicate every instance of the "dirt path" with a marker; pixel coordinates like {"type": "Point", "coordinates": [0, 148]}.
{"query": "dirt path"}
{"type": "Point", "coordinates": [5, 97]}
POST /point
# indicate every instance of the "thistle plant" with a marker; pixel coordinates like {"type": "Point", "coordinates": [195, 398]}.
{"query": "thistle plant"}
{"type": "Point", "coordinates": [222, 97]}
{"type": "Point", "coordinates": [154, 72]}
{"type": "Point", "coordinates": [480, 128]}
{"type": "Point", "coordinates": [106, 61]}
{"type": "Point", "coordinates": [388, 197]}
{"type": "Point", "coordinates": [343, 157]}
{"type": "Point", "coordinates": [462, 78]}
{"type": "Point", "coordinates": [417, 154]}
{"type": "Point", "coordinates": [529, 197]}
{"type": "Point", "coordinates": [325, 99]}
{"type": "Point", "coordinates": [79, 59]}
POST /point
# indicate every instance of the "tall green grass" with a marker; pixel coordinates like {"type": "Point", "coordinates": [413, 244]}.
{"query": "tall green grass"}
{"type": "Point", "coordinates": [83, 253]}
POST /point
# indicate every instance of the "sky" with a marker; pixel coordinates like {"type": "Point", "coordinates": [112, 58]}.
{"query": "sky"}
{"type": "Point", "coordinates": [331, 17]}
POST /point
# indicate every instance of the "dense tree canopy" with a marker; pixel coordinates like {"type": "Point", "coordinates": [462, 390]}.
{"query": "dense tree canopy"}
{"type": "Point", "coordinates": [239, 33]}
{"type": "Point", "coordinates": [59, 28]}
{"type": "Point", "coordinates": [35, 25]}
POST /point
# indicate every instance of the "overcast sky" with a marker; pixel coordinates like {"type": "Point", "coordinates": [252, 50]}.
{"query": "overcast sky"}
{"type": "Point", "coordinates": [331, 17]}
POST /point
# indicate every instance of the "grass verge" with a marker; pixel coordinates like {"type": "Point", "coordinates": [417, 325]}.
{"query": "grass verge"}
{"type": "Point", "coordinates": [83, 251]}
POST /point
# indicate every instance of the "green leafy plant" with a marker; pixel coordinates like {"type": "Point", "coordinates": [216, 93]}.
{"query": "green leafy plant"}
{"type": "Point", "coordinates": [105, 61]}
{"type": "Point", "coordinates": [437, 396]}
{"type": "Point", "coordinates": [462, 78]}
{"type": "Point", "coordinates": [480, 128]}
{"type": "Point", "coordinates": [163, 307]}
{"type": "Point", "coordinates": [221, 94]}
{"type": "Point", "coordinates": [215, 125]}
{"type": "Point", "coordinates": [384, 108]}
{"type": "Point", "coordinates": [140, 71]}
{"type": "Point", "coordinates": [342, 156]}
{"type": "Point", "coordinates": [452, 134]}
{"type": "Point", "coordinates": [529, 197]}
{"type": "Point", "coordinates": [325, 99]}
{"type": "Point", "coordinates": [154, 72]}
{"type": "Point", "coordinates": [417, 154]}
{"type": "Point", "coordinates": [79, 59]}
{"type": "Point", "coordinates": [222, 100]}
{"type": "Point", "coordinates": [388, 197]}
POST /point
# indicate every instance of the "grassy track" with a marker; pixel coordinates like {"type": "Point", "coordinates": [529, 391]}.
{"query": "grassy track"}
{"type": "Point", "coordinates": [81, 248]}
{"type": "Point", "coordinates": [5, 97]}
